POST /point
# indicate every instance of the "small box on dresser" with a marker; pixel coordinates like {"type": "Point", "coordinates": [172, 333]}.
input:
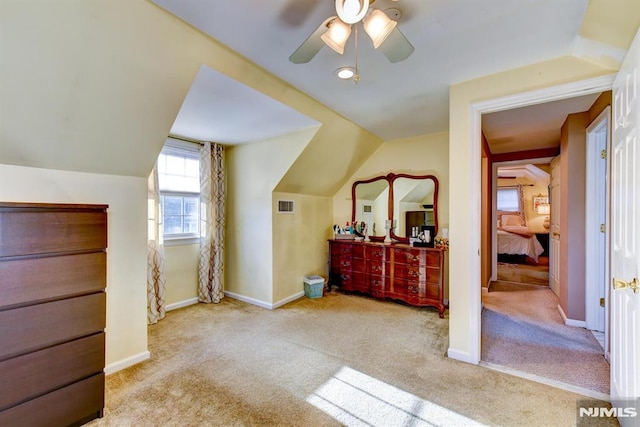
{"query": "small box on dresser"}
{"type": "Point", "coordinates": [52, 313]}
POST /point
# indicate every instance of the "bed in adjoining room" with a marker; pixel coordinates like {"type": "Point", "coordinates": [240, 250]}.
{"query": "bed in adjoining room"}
{"type": "Point", "coordinates": [516, 239]}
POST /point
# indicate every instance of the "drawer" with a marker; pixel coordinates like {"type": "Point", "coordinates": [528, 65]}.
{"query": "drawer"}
{"type": "Point", "coordinates": [378, 268]}
{"type": "Point", "coordinates": [25, 233]}
{"type": "Point", "coordinates": [25, 280]}
{"type": "Point", "coordinates": [352, 281]}
{"type": "Point", "coordinates": [375, 253]}
{"type": "Point", "coordinates": [409, 271]}
{"type": "Point", "coordinates": [357, 265]}
{"type": "Point", "coordinates": [40, 372]}
{"type": "Point", "coordinates": [433, 258]}
{"type": "Point", "coordinates": [432, 275]}
{"type": "Point", "coordinates": [376, 285]}
{"type": "Point", "coordinates": [38, 326]}
{"type": "Point", "coordinates": [340, 249]}
{"type": "Point", "coordinates": [83, 400]}
{"type": "Point", "coordinates": [432, 291]}
{"type": "Point", "coordinates": [409, 256]}
{"type": "Point", "coordinates": [357, 251]}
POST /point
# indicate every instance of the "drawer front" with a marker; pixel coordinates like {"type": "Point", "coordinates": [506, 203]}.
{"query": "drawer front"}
{"type": "Point", "coordinates": [378, 268]}
{"type": "Point", "coordinates": [83, 400]}
{"type": "Point", "coordinates": [433, 258]}
{"type": "Point", "coordinates": [38, 326]}
{"type": "Point", "coordinates": [352, 281]}
{"type": "Point", "coordinates": [357, 265]}
{"type": "Point", "coordinates": [34, 279]}
{"type": "Point", "coordinates": [377, 285]}
{"type": "Point", "coordinates": [432, 275]}
{"type": "Point", "coordinates": [25, 233]}
{"type": "Point", "coordinates": [357, 251]}
{"type": "Point", "coordinates": [409, 271]}
{"type": "Point", "coordinates": [340, 248]}
{"type": "Point", "coordinates": [375, 253]}
{"type": "Point", "coordinates": [40, 372]}
{"type": "Point", "coordinates": [409, 256]}
{"type": "Point", "coordinates": [432, 291]}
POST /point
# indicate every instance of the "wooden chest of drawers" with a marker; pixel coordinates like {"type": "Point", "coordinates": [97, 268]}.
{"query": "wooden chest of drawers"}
{"type": "Point", "coordinates": [52, 313]}
{"type": "Point", "coordinates": [401, 272]}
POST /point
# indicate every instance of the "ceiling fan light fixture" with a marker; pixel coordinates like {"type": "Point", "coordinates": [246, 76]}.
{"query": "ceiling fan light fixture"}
{"type": "Point", "coordinates": [337, 35]}
{"type": "Point", "coordinates": [351, 11]}
{"type": "Point", "coordinates": [345, 73]}
{"type": "Point", "coordinates": [378, 26]}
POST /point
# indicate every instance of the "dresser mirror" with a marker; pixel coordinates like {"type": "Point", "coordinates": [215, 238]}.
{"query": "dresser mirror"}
{"type": "Point", "coordinates": [409, 200]}
{"type": "Point", "coordinates": [370, 204]}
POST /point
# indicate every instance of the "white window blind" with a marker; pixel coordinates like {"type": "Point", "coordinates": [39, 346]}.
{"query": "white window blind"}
{"type": "Point", "coordinates": [508, 199]}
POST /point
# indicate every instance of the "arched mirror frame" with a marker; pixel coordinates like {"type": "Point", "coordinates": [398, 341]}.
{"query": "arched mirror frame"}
{"type": "Point", "coordinates": [390, 178]}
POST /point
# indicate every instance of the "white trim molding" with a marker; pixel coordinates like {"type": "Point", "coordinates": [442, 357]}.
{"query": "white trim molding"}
{"type": "Point", "coordinates": [553, 93]}
{"type": "Point", "coordinates": [571, 322]}
{"type": "Point", "coordinates": [180, 304]}
{"type": "Point", "coordinates": [264, 304]}
{"type": "Point", "coordinates": [114, 367]}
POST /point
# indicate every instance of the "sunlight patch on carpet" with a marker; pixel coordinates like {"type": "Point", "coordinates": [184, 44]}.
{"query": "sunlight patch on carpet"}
{"type": "Point", "coordinates": [356, 399]}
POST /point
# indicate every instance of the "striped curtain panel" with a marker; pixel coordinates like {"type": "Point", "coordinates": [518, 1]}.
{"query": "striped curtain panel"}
{"type": "Point", "coordinates": [521, 204]}
{"type": "Point", "coordinates": [156, 279]}
{"type": "Point", "coordinates": [212, 223]}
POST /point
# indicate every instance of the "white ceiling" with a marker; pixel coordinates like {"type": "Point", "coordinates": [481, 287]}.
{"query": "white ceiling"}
{"type": "Point", "coordinates": [454, 40]}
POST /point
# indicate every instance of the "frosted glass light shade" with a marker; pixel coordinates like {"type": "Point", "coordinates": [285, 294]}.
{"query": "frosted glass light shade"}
{"type": "Point", "coordinates": [351, 11]}
{"type": "Point", "coordinates": [378, 26]}
{"type": "Point", "coordinates": [337, 35]}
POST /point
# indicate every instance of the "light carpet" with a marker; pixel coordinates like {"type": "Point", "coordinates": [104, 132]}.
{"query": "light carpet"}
{"type": "Point", "coordinates": [522, 330]}
{"type": "Point", "coordinates": [336, 360]}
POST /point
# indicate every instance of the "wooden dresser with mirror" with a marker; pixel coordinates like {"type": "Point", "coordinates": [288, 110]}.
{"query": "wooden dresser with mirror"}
{"type": "Point", "coordinates": [399, 271]}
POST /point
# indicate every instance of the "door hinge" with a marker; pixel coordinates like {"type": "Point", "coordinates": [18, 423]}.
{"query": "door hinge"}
{"type": "Point", "coordinates": [601, 302]}
{"type": "Point", "coordinates": [603, 154]}
{"type": "Point", "coordinates": [602, 228]}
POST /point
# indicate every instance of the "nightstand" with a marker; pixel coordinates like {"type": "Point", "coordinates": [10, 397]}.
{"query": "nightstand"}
{"type": "Point", "coordinates": [543, 238]}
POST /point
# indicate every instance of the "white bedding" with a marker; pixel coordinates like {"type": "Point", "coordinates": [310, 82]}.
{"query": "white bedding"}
{"type": "Point", "coordinates": [513, 244]}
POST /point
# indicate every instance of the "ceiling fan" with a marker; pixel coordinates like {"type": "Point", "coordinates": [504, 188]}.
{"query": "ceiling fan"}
{"type": "Point", "coordinates": [335, 31]}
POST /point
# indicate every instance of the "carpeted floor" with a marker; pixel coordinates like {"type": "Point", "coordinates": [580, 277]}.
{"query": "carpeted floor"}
{"type": "Point", "coordinates": [336, 360]}
{"type": "Point", "coordinates": [525, 273]}
{"type": "Point", "coordinates": [522, 330]}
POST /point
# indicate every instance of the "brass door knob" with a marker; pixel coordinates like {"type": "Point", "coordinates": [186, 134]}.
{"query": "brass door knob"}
{"type": "Point", "coordinates": [621, 284]}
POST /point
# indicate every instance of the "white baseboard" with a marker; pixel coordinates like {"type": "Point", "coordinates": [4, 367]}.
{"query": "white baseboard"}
{"type": "Point", "coordinates": [288, 299]}
{"type": "Point", "coordinates": [125, 363]}
{"type": "Point", "coordinates": [180, 304]}
{"type": "Point", "coordinates": [462, 356]}
{"type": "Point", "coordinates": [571, 322]}
{"type": "Point", "coordinates": [263, 304]}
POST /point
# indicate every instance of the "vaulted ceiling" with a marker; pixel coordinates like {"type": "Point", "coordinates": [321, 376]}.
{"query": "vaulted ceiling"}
{"type": "Point", "coordinates": [454, 40]}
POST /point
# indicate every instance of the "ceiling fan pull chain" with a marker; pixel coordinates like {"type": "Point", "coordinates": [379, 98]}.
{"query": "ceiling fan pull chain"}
{"type": "Point", "coordinates": [356, 76]}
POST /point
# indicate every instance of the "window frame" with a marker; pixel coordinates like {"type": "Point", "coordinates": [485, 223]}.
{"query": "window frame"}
{"type": "Point", "coordinates": [173, 147]}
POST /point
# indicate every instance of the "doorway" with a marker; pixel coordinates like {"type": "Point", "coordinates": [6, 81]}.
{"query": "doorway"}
{"type": "Point", "coordinates": [519, 317]}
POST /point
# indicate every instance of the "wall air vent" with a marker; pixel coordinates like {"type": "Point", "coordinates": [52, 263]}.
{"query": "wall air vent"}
{"type": "Point", "coordinates": [285, 206]}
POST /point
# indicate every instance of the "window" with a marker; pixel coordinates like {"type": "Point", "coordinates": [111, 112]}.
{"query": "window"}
{"type": "Point", "coordinates": [179, 182]}
{"type": "Point", "coordinates": [508, 199]}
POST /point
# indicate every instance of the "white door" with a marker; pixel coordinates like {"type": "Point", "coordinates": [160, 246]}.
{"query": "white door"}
{"type": "Point", "coordinates": [554, 228]}
{"type": "Point", "coordinates": [625, 233]}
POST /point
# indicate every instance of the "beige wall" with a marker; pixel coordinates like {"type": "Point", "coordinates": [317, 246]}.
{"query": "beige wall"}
{"type": "Point", "coordinates": [253, 171]}
{"type": "Point", "coordinates": [299, 242]}
{"type": "Point", "coordinates": [181, 267]}
{"type": "Point", "coordinates": [463, 238]}
{"type": "Point", "coordinates": [426, 154]}
{"type": "Point", "coordinates": [572, 215]}
{"type": "Point", "coordinates": [126, 332]}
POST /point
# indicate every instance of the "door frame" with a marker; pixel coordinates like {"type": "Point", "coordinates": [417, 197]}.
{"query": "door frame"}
{"type": "Point", "coordinates": [597, 261]}
{"type": "Point", "coordinates": [494, 205]}
{"type": "Point", "coordinates": [553, 93]}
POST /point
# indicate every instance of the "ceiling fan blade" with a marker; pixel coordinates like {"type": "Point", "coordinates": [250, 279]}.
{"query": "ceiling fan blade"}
{"type": "Point", "coordinates": [311, 46]}
{"type": "Point", "coordinates": [396, 47]}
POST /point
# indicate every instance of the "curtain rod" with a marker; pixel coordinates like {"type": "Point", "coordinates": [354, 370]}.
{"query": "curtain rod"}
{"type": "Point", "coordinates": [185, 139]}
